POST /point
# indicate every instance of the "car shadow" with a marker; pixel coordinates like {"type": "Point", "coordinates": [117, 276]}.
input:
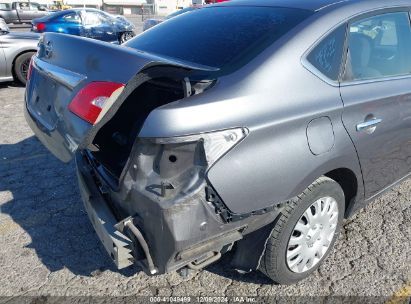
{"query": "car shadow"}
{"type": "Point", "coordinates": [42, 198]}
{"type": "Point", "coordinates": [222, 268]}
{"type": "Point", "coordinates": [11, 84]}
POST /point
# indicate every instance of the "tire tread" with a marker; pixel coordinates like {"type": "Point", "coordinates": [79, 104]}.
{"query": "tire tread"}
{"type": "Point", "coordinates": [269, 260]}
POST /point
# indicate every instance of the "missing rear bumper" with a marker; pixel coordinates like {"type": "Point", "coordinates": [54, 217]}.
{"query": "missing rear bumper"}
{"type": "Point", "coordinates": [117, 245]}
{"type": "Point", "coordinates": [166, 237]}
{"type": "Point", "coordinates": [157, 250]}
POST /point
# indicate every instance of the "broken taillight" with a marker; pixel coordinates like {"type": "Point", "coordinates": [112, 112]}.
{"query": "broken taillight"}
{"type": "Point", "coordinates": [89, 102]}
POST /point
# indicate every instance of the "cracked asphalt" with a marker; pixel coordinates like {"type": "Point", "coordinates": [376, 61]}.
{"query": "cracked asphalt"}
{"type": "Point", "coordinates": [49, 248]}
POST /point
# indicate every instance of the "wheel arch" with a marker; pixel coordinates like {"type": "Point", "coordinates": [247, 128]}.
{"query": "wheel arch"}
{"type": "Point", "coordinates": [246, 260]}
{"type": "Point", "coordinates": [17, 56]}
{"type": "Point", "coordinates": [348, 181]}
{"type": "Point", "coordinates": [349, 178]}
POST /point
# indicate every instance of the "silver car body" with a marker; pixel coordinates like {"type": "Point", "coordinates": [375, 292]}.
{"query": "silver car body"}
{"type": "Point", "coordinates": [12, 45]}
{"type": "Point", "coordinates": [299, 125]}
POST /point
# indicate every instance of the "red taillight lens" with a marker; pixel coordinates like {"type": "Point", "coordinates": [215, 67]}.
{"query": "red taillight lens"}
{"type": "Point", "coordinates": [30, 69]}
{"type": "Point", "coordinates": [90, 100]}
{"type": "Point", "coordinates": [40, 26]}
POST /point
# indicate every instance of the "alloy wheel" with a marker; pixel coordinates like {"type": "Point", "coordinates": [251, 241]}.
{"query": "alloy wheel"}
{"type": "Point", "coordinates": [24, 67]}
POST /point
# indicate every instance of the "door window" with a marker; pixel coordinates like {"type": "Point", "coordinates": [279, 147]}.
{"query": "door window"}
{"type": "Point", "coordinates": [379, 47]}
{"type": "Point", "coordinates": [34, 6]}
{"type": "Point", "coordinates": [73, 18]}
{"type": "Point", "coordinates": [92, 18]}
{"type": "Point", "coordinates": [24, 6]}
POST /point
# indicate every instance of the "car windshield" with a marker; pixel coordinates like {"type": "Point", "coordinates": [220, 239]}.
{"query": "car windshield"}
{"type": "Point", "coordinates": [219, 37]}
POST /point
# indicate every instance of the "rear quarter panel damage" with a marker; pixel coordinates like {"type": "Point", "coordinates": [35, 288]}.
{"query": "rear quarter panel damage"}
{"type": "Point", "coordinates": [276, 98]}
{"type": "Point", "coordinates": [274, 162]}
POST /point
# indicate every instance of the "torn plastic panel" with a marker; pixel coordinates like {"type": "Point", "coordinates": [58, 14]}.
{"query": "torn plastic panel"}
{"type": "Point", "coordinates": [169, 168]}
{"type": "Point", "coordinates": [115, 136]}
{"type": "Point", "coordinates": [180, 231]}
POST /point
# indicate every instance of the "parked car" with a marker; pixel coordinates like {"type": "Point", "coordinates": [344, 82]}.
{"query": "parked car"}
{"type": "Point", "coordinates": [91, 23]}
{"type": "Point", "coordinates": [17, 50]}
{"type": "Point", "coordinates": [149, 23]}
{"type": "Point", "coordinates": [258, 139]}
{"type": "Point", "coordinates": [21, 12]}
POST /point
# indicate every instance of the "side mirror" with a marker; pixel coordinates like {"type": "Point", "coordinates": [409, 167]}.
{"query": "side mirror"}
{"type": "Point", "coordinates": [42, 8]}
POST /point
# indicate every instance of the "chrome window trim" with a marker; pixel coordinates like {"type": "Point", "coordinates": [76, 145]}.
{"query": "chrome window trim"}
{"type": "Point", "coordinates": [374, 80]}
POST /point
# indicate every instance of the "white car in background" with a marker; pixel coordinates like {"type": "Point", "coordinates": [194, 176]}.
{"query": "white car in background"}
{"type": "Point", "coordinates": [17, 49]}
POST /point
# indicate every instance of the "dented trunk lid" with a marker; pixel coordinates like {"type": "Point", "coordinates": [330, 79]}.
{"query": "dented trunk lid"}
{"type": "Point", "coordinates": [64, 65]}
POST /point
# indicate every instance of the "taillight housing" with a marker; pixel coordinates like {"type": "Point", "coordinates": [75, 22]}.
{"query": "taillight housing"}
{"type": "Point", "coordinates": [40, 27]}
{"type": "Point", "coordinates": [90, 100]}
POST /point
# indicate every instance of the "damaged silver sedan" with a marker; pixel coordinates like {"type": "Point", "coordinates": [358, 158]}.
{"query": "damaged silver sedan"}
{"type": "Point", "coordinates": [257, 138]}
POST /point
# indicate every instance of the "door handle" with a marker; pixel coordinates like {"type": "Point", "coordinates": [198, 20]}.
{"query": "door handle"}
{"type": "Point", "coordinates": [368, 125]}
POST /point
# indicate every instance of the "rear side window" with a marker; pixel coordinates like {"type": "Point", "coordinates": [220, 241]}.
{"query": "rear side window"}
{"type": "Point", "coordinates": [73, 17]}
{"type": "Point", "coordinates": [379, 46]}
{"type": "Point", "coordinates": [34, 6]}
{"type": "Point", "coordinates": [24, 6]}
{"type": "Point", "coordinates": [326, 57]}
{"type": "Point", "coordinates": [92, 18]}
{"type": "Point", "coordinates": [219, 37]}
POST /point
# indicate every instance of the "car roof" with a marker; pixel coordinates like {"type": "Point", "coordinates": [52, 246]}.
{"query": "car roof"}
{"type": "Point", "coordinates": [312, 5]}
{"type": "Point", "coordinates": [79, 9]}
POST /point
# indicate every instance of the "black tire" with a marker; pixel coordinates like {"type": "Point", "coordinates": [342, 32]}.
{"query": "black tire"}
{"type": "Point", "coordinates": [274, 261]}
{"type": "Point", "coordinates": [21, 65]}
{"type": "Point", "coordinates": [125, 36]}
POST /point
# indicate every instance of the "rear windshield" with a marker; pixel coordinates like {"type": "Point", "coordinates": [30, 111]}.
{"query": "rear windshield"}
{"type": "Point", "coordinates": [219, 37]}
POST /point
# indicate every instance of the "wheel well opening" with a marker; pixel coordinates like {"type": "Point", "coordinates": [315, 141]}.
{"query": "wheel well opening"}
{"type": "Point", "coordinates": [17, 56]}
{"type": "Point", "coordinates": [348, 182]}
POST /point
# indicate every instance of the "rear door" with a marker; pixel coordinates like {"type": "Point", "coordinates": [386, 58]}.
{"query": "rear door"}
{"type": "Point", "coordinates": [108, 28]}
{"type": "Point", "coordinates": [376, 91]}
{"type": "Point", "coordinates": [23, 11]}
{"type": "Point", "coordinates": [35, 11]}
{"type": "Point", "coordinates": [72, 24]}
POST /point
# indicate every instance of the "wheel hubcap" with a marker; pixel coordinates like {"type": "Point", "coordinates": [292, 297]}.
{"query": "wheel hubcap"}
{"type": "Point", "coordinates": [127, 36]}
{"type": "Point", "coordinates": [312, 235]}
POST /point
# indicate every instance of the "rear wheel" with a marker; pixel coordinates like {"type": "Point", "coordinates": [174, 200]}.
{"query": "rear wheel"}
{"type": "Point", "coordinates": [21, 66]}
{"type": "Point", "coordinates": [126, 36]}
{"type": "Point", "coordinates": [305, 232]}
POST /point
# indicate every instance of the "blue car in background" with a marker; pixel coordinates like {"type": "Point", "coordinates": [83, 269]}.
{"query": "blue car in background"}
{"type": "Point", "coordinates": [91, 23]}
